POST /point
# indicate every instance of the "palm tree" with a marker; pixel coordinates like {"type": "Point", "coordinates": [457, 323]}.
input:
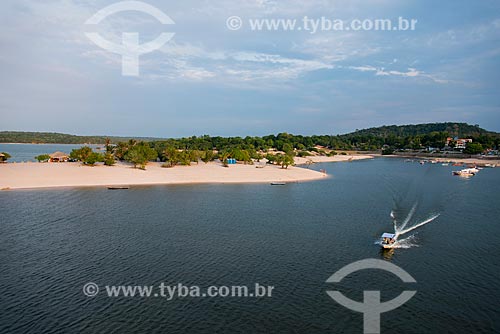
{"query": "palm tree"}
{"type": "Point", "coordinates": [223, 157]}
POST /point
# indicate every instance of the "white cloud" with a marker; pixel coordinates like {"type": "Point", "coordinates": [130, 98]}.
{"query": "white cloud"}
{"type": "Point", "coordinates": [363, 68]}
{"type": "Point", "coordinates": [411, 73]}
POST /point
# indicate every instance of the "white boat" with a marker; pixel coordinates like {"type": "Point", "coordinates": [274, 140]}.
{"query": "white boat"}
{"type": "Point", "coordinates": [445, 164]}
{"type": "Point", "coordinates": [462, 174]}
{"type": "Point", "coordinates": [490, 165]}
{"type": "Point", "coordinates": [472, 170]}
{"type": "Point", "coordinates": [387, 240]}
{"type": "Point", "coordinates": [466, 172]}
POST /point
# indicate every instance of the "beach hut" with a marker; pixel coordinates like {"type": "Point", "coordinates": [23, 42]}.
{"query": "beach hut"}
{"type": "Point", "coordinates": [58, 157]}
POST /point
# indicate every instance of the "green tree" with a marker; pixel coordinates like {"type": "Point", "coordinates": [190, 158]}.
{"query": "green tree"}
{"type": "Point", "coordinates": [287, 161]}
{"type": "Point", "coordinates": [92, 158]}
{"type": "Point", "coordinates": [208, 156]}
{"type": "Point", "coordinates": [223, 156]}
{"type": "Point", "coordinates": [193, 155]}
{"type": "Point", "coordinates": [120, 150]}
{"type": "Point", "coordinates": [42, 157]}
{"type": "Point", "coordinates": [473, 148]}
{"type": "Point", "coordinates": [185, 157]}
{"type": "Point", "coordinates": [81, 154]}
{"type": "Point", "coordinates": [109, 159]}
{"type": "Point", "coordinates": [240, 155]}
{"type": "Point", "coordinates": [140, 154]}
{"type": "Point", "coordinates": [4, 156]}
{"type": "Point", "coordinates": [170, 156]}
{"type": "Point", "coordinates": [284, 160]}
{"type": "Point", "coordinates": [271, 158]}
{"type": "Point", "coordinates": [386, 151]}
{"type": "Point", "coordinates": [288, 148]}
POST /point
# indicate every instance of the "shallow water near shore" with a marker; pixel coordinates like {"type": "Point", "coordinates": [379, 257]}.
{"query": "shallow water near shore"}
{"type": "Point", "coordinates": [28, 152]}
{"type": "Point", "coordinates": [292, 237]}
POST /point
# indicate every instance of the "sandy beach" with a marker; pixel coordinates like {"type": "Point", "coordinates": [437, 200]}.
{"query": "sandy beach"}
{"type": "Point", "coordinates": [335, 158]}
{"type": "Point", "coordinates": [44, 175]}
{"type": "Point", "coordinates": [73, 174]}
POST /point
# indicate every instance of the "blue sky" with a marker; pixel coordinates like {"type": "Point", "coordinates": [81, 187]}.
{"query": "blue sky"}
{"type": "Point", "coordinates": [211, 80]}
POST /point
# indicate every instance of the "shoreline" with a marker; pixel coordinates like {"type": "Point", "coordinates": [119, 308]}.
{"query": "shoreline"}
{"type": "Point", "coordinates": [34, 175]}
{"type": "Point", "coordinates": [336, 158]}
{"type": "Point", "coordinates": [475, 161]}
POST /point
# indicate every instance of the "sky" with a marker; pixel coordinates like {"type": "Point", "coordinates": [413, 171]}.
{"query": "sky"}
{"type": "Point", "coordinates": [210, 79]}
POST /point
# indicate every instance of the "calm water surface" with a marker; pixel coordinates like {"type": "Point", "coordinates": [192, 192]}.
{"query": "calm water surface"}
{"type": "Point", "coordinates": [293, 237]}
{"type": "Point", "coordinates": [28, 152]}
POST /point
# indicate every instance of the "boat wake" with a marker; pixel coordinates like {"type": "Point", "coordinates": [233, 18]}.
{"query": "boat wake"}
{"type": "Point", "coordinates": [402, 228]}
{"type": "Point", "coordinates": [427, 221]}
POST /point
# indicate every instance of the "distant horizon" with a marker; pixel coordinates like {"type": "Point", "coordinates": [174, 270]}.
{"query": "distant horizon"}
{"type": "Point", "coordinates": [240, 135]}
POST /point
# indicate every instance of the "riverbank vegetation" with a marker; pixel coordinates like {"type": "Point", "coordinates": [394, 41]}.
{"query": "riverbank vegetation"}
{"type": "Point", "coordinates": [415, 137]}
{"type": "Point", "coordinates": [278, 149]}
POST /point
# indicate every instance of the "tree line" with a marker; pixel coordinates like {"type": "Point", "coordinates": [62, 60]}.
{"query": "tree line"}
{"type": "Point", "coordinates": [139, 153]}
{"type": "Point", "coordinates": [205, 148]}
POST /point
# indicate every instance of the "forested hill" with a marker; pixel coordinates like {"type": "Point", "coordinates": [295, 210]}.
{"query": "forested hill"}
{"type": "Point", "coordinates": [419, 136]}
{"type": "Point", "coordinates": [59, 138]}
{"type": "Point", "coordinates": [415, 137]}
{"type": "Point", "coordinates": [461, 130]}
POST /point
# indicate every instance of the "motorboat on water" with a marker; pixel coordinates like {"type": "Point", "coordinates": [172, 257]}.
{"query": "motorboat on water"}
{"type": "Point", "coordinates": [466, 172]}
{"type": "Point", "coordinates": [461, 173]}
{"type": "Point", "coordinates": [387, 240]}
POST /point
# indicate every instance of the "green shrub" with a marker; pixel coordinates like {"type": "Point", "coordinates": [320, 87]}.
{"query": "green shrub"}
{"type": "Point", "coordinates": [42, 157]}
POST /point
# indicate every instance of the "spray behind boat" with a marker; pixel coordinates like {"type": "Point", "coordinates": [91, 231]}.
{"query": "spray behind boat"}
{"type": "Point", "coordinates": [402, 228]}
